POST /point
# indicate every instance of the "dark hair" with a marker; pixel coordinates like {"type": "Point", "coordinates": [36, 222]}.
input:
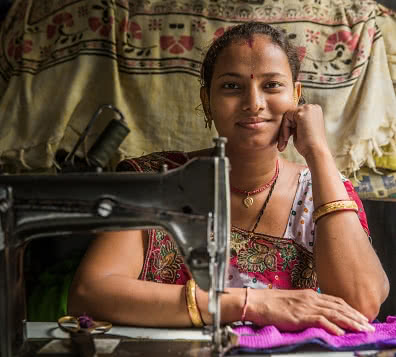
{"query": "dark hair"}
{"type": "Point", "coordinates": [245, 31]}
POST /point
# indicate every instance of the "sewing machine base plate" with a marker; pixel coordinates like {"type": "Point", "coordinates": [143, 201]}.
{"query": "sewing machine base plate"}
{"type": "Point", "coordinates": [120, 347]}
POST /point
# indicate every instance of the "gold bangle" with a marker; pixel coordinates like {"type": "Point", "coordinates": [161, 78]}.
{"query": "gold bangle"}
{"type": "Point", "coordinates": [192, 307]}
{"type": "Point", "coordinates": [334, 206]}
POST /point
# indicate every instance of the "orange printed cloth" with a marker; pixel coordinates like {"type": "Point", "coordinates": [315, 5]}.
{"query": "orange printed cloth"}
{"type": "Point", "coordinates": [61, 59]}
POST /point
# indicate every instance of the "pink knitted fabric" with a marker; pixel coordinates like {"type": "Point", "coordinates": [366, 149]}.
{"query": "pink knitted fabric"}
{"type": "Point", "coordinates": [269, 337]}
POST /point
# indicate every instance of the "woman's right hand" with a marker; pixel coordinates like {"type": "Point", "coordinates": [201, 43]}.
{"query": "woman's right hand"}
{"type": "Point", "coordinates": [293, 310]}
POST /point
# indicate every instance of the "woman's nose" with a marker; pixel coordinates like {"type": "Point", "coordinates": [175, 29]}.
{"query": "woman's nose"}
{"type": "Point", "coordinates": [254, 100]}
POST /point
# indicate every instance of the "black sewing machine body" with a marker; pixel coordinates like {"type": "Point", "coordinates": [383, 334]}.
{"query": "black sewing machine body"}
{"type": "Point", "coordinates": [191, 203]}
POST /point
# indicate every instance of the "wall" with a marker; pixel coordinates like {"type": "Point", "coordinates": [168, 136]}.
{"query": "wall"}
{"type": "Point", "coordinates": [382, 223]}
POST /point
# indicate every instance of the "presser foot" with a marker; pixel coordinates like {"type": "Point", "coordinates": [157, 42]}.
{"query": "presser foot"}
{"type": "Point", "coordinates": [223, 340]}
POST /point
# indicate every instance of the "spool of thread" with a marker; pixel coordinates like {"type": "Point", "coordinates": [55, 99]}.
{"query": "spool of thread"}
{"type": "Point", "coordinates": [108, 142]}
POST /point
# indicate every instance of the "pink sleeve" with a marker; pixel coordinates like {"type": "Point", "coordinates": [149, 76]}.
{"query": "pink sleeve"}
{"type": "Point", "coordinates": [354, 196]}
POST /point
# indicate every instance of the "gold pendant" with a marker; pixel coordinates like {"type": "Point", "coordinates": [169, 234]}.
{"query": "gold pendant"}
{"type": "Point", "coordinates": [248, 201]}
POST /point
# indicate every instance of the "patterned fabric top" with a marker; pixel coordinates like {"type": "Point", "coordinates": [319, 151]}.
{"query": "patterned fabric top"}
{"type": "Point", "coordinates": [261, 261]}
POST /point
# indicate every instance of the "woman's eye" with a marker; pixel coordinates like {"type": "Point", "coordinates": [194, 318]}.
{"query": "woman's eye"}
{"type": "Point", "coordinates": [273, 85]}
{"type": "Point", "coordinates": [230, 86]}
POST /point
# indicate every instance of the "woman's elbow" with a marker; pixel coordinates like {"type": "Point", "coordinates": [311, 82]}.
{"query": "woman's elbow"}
{"type": "Point", "coordinates": [76, 298]}
{"type": "Point", "coordinates": [370, 302]}
{"type": "Point", "coordinates": [370, 309]}
{"type": "Point", "coordinates": [385, 288]}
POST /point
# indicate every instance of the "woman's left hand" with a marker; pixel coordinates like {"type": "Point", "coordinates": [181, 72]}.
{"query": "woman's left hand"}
{"type": "Point", "coordinates": [306, 125]}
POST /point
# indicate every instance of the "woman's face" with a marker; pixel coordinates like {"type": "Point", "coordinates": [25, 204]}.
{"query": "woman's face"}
{"type": "Point", "coordinates": [251, 89]}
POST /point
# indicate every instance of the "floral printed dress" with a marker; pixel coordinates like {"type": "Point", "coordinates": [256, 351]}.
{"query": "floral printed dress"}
{"type": "Point", "coordinates": [261, 261]}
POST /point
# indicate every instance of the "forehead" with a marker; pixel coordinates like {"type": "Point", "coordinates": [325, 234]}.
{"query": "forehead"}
{"type": "Point", "coordinates": [258, 54]}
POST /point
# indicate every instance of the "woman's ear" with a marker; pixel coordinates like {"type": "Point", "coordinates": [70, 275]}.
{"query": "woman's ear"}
{"type": "Point", "coordinates": [206, 107]}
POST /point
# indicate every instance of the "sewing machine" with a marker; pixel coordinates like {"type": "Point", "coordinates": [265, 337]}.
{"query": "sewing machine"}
{"type": "Point", "coordinates": [191, 202]}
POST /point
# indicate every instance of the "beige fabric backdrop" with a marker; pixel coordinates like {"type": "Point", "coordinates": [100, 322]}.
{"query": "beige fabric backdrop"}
{"type": "Point", "coordinates": [61, 59]}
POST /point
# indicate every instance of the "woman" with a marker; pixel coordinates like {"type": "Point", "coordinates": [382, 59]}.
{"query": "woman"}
{"type": "Point", "coordinates": [251, 94]}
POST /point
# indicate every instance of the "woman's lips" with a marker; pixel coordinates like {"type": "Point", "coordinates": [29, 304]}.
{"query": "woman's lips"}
{"type": "Point", "coordinates": [252, 124]}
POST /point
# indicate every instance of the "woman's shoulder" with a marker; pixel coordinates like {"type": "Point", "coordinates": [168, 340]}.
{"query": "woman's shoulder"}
{"type": "Point", "coordinates": [154, 161]}
{"type": "Point", "coordinates": [305, 174]}
{"type": "Point", "coordinates": [306, 177]}
{"type": "Point", "coordinates": [297, 169]}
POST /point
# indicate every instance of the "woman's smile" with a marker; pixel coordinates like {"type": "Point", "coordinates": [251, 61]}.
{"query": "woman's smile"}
{"type": "Point", "coordinates": [253, 123]}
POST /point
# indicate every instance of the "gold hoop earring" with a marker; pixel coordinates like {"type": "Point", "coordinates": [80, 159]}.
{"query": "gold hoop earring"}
{"type": "Point", "coordinates": [206, 116]}
{"type": "Point", "coordinates": [296, 99]}
{"type": "Point", "coordinates": [208, 121]}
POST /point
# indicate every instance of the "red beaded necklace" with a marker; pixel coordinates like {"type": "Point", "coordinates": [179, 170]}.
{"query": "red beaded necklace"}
{"type": "Point", "coordinates": [248, 200]}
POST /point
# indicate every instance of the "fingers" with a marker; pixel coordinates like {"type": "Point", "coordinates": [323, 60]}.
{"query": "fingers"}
{"type": "Point", "coordinates": [335, 322]}
{"type": "Point", "coordinates": [331, 313]}
{"type": "Point", "coordinates": [321, 322]}
{"type": "Point", "coordinates": [287, 129]}
{"type": "Point", "coordinates": [341, 302]}
{"type": "Point", "coordinates": [295, 310]}
{"type": "Point", "coordinates": [346, 322]}
{"type": "Point", "coordinates": [306, 120]}
{"type": "Point", "coordinates": [331, 321]}
{"type": "Point", "coordinates": [344, 315]}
